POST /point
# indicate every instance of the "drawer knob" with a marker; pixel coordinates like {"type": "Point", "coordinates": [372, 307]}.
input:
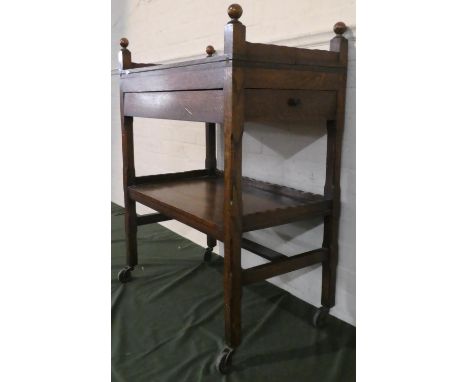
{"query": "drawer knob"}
{"type": "Point", "coordinates": [294, 101]}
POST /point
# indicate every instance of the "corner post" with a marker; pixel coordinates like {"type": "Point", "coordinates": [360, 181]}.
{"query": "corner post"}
{"type": "Point", "coordinates": [332, 188]}
{"type": "Point", "coordinates": [210, 165]}
{"type": "Point", "coordinates": [125, 56]}
{"type": "Point", "coordinates": [210, 161]}
{"type": "Point", "coordinates": [128, 161]}
{"type": "Point", "coordinates": [234, 46]}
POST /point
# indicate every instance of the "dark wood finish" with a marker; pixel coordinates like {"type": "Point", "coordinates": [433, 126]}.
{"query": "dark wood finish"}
{"type": "Point", "coordinates": [187, 65]}
{"type": "Point", "coordinates": [271, 78]}
{"type": "Point", "coordinates": [290, 55]}
{"type": "Point", "coordinates": [210, 241]}
{"type": "Point", "coordinates": [279, 267]}
{"type": "Point", "coordinates": [293, 106]}
{"type": "Point", "coordinates": [340, 45]}
{"type": "Point", "coordinates": [179, 201]}
{"type": "Point", "coordinates": [125, 57]}
{"type": "Point", "coordinates": [206, 76]}
{"type": "Point", "coordinates": [151, 218]}
{"type": "Point", "coordinates": [339, 28]}
{"type": "Point", "coordinates": [148, 179]}
{"type": "Point", "coordinates": [206, 105]}
{"type": "Point", "coordinates": [210, 165]}
{"type": "Point", "coordinates": [199, 197]}
{"type": "Point", "coordinates": [128, 180]}
{"type": "Point", "coordinates": [249, 82]}
{"type": "Point", "coordinates": [262, 251]}
{"type": "Point", "coordinates": [234, 44]}
{"type": "Point", "coordinates": [235, 12]}
{"type": "Point", "coordinates": [210, 156]}
{"type": "Point", "coordinates": [289, 192]}
{"type": "Point", "coordinates": [128, 164]}
{"type": "Point", "coordinates": [332, 183]}
{"type": "Point", "coordinates": [124, 42]}
{"type": "Point", "coordinates": [271, 218]}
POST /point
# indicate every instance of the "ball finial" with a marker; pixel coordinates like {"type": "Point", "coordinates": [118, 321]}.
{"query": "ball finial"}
{"type": "Point", "coordinates": [210, 50]}
{"type": "Point", "coordinates": [339, 28]}
{"type": "Point", "coordinates": [123, 42]}
{"type": "Point", "coordinates": [235, 11]}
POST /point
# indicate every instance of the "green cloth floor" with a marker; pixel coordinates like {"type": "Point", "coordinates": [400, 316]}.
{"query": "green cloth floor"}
{"type": "Point", "coordinates": [167, 323]}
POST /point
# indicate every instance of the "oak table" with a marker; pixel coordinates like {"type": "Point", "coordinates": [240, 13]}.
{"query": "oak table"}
{"type": "Point", "coordinates": [249, 82]}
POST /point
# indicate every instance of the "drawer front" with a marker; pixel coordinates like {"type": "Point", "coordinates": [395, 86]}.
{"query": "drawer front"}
{"type": "Point", "coordinates": [295, 106]}
{"type": "Point", "coordinates": [201, 106]}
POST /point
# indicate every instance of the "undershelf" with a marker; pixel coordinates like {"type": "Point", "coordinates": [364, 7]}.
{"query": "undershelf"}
{"type": "Point", "coordinates": [196, 199]}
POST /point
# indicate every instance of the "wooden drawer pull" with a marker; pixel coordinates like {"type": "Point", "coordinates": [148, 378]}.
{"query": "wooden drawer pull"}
{"type": "Point", "coordinates": [294, 101]}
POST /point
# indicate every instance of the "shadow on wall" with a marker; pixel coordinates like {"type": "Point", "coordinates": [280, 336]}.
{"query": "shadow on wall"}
{"type": "Point", "coordinates": [282, 140]}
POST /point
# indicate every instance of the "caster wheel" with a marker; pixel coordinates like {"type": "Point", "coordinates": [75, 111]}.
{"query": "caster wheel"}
{"type": "Point", "coordinates": [320, 317]}
{"type": "Point", "coordinates": [207, 256]}
{"type": "Point", "coordinates": [224, 361]}
{"type": "Point", "coordinates": [125, 275]}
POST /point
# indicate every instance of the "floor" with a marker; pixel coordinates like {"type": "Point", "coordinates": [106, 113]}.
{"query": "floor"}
{"type": "Point", "coordinates": [167, 323]}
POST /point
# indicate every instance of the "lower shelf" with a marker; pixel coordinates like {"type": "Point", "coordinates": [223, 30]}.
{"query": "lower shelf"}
{"type": "Point", "coordinates": [196, 199]}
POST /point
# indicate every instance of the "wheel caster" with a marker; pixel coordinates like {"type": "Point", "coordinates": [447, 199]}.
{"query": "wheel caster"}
{"type": "Point", "coordinates": [320, 317]}
{"type": "Point", "coordinates": [224, 360]}
{"type": "Point", "coordinates": [207, 255]}
{"type": "Point", "coordinates": [125, 274]}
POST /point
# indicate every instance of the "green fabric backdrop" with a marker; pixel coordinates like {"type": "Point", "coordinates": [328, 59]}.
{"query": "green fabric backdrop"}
{"type": "Point", "coordinates": [167, 324]}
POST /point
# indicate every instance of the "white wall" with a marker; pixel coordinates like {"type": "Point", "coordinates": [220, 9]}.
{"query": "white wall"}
{"type": "Point", "coordinates": [161, 31]}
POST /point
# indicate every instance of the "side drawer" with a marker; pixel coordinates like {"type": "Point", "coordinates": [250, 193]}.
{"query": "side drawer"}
{"type": "Point", "coordinates": [201, 106]}
{"type": "Point", "coordinates": [295, 106]}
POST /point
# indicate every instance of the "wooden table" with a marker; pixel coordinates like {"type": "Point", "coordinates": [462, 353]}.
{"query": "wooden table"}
{"type": "Point", "coordinates": [249, 82]}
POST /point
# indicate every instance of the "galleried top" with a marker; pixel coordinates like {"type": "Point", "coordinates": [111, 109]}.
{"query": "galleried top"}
{"type": "Point", "coordinates": [208, 72]}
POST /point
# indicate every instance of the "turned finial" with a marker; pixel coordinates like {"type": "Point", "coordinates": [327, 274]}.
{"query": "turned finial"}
{"type": "Point", "coordinates": [235, 12]}
{"type": "Point", "coordinates": [210, 50]}
{"type": "Point", "coordinates": [125, 57]}
{"type": "Point", "coordinates": [339, 28]}
{"type": "Point", "coordinates": [123, 42]}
